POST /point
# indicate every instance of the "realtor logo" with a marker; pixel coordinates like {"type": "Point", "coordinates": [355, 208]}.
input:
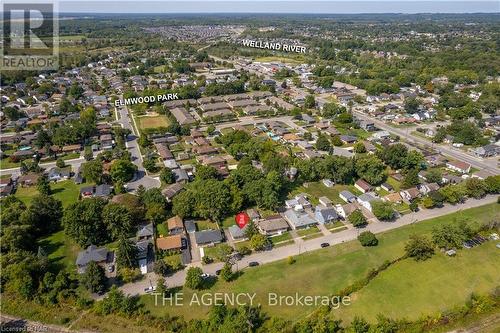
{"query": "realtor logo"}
{"type": "Point", "coordinates": [30, 36]}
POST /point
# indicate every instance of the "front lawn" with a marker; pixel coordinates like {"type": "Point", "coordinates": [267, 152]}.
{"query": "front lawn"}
{"type": "Point", "coordinates": [66, 191]}
{"type": "Point", "coordinates": [318, 189]}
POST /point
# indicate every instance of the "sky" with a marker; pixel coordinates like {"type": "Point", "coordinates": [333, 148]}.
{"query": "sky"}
{"type": "Point", "coordinates": [294, 6]}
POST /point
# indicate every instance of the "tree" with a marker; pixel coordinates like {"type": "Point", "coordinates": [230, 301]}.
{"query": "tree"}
{"type": "Point", "coordinates": [162, 268]}
{"type": "Point", "coordinates": [359, 325]}
{"type": "Point", "coordinates": [419, 247]}
{"type": "Point", "coordinates": [493, 184]}
{"type": "Point", "coordinates": [410, 179]}
{"type": "Point", "coordinates": [156, 213]}
{"type": "Point", "coordinates": [17, 237]}
{"type": "Point", "coordinates": [210, 129]}
{"type": "Point", "coordinates": [118, 220]}
{"type": "Point", "coordinates": [357, 219]}
{"type": "Point", "coordinates": [83, 222]}
{"type": "Point", "coordinates": [371, 169]}
{"type": "Point", "coordinates": [60, 163]}
{"type": "Point", "coordinates": [92, 171]}
{"type": "Point", "coordinates": [122, 171]}
{"type": "Point", "coordinates": [475, 188]}
{"type": "Point", "coordinates": [94, 278]}
{"type": "Point", "coordinates": [449, 236]}
{"type": "Point", "coordinates": [337, 142]}
{"type": "Point", "coordinates": [322, 143]}
{"type": "Point", "coordinates": [383, 210]}
{"type": "Point", "coordinates": [367, 238]}
{"type": "Point", "coordinates": [126, 254]}
{"type": "Point", "coordinates": [309, 102]}
{"type": "Point", "coordinates": [226, 272]}
{"type": "Point", "coordinates": [359, 148]}
{"type": "Point", "coordinates": [428, 203]}
{"type": "Point", "coordinates": [43, 185]}
{"type": "Point", "coordinates": [167, 176]}
{"type": "Point", "coordinates": [205, 172]}
{"type": "Point", "coordinates": [150, 164]}
{"type": "Point", "coordinates": [453, 193]}
{"type": "Point", "coordinates": [413, 206]}
{"type": "Point", "coordinates": [193, 278]}
{"type": "Point", "coordinates": [394, 155]}
{"type": "Point", "coordinates": [259, 242]}
{"type": "Point", "coordinates": [44, 214]}
{"type": "Point", "coordinates": [223, 252]}
{"type": "Point", "coordinates": [434, 176]}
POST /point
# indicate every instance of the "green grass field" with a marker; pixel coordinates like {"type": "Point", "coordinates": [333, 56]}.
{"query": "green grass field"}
{"type": "Point", "coordinates": [408, 283]}
{"type": "Point", "coordinates": [61, 250]}
{"type": "Point", "coordinates": [152, 121]}
{"type": "Point", "coordinates": [66, 191]}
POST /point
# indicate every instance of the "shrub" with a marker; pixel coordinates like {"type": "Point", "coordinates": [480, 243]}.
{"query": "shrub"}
{"type": "Point", "coordinates": [367, 238]}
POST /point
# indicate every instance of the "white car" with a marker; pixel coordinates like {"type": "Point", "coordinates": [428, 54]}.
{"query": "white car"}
{"type": "Point", "coordinates": [205, 275]}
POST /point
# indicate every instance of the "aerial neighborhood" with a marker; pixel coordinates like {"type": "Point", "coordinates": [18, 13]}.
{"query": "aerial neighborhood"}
{"type": "Point", "coordinates": [310, 150]}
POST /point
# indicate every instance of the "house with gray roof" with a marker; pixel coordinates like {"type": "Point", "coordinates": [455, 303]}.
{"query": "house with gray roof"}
{"type": "Point", "coordinates": [298, 219]}
{"type": "Point", "coordinates": [100, 255]}
{"type": "Point", "coordinates": [145, 232]}
{"type": "Point", "coordinates": [208, 237]}
{"type": "Point", "coordinates": [366, 200]}
{"type": "Point", "coordinates": [237, 233]}
{"type": "Point", "coordinates": [347, 196]}
{"type": "Point", "coordinates": [325, 214]}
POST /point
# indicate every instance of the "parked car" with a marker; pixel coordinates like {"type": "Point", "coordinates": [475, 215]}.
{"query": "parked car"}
{"type": "Point", "coordinates": [253, 264]}
{"type": "Point", "coordinates": [217, 272]}
{"type": "Point", "coordinates": [205, 275]}
{"type": "Point", "coordinates": [325, 244]}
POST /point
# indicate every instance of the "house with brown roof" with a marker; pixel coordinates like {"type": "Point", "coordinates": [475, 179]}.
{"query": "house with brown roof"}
{"type": "Point", "coordinates": [393, 197]}
{"type": "Point", "coordinates": [410, 194]}
{"type": "Point", "coordinates": [171, 243]}
{"type": "Point", "coordinates": [272, 225]}
{"type": "Point", "coordinates": [362, 185]}
{"type": "Point", "coordinates": [29, 179]}
{"type": "Point", "coordinates": [175, 225]}
{"type": "Point", "coordinates": [458, 166]}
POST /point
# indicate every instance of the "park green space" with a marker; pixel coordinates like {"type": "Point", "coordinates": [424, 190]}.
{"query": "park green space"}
{"type": "Point", "coordinates": [152, 121]}
{"type": "Point", "coordinates": [406, 289]}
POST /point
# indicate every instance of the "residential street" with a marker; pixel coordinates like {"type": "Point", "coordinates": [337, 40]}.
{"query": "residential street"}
{"type": "Point", "coordinates": [295, 249]}
{"type": "Point", "coordinates": [480, 163]}
{"type": "Point", "coordinates": [132, 144]}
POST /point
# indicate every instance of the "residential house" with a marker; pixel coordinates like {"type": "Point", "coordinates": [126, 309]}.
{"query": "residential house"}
{"type": "Point", "coordinates": [300, 201]}
{"type": "Point", "coordinates": [272, 225]}
{"type": "Point", "coordinates": [347, 139]}
{"type": "Point", "coordinates": [487, 151]}
{"type": "Point", "coordinates": [172, 190]}
{"type": "Point", "coordinates": [171, 243]}
{"type": "Point", "coordinates": [387, 187]}
{"type": "Point", "coordinates": [145, 232]}
{"type": "Point", "coordinates": [345, 210]}
{"type": "Point", "coordinates": [427, 188]}
{"type": "Point", "coordinates": [347, 196]}
{"type": "Point", "coordinates": [459, 166]}
{"type": "Point", "coordinates": [393, 198]}
{"type": "Point", "coordinates": [325, 201]}
{"type": "Point", "coordinates": [56, 174]}
{"type": "Point", "coordinates": [362, 185]}
{"type": "Point", "coordinates": [325, 214]}
{"type": "Point", "coordinates": [366, 200]}
{"type": "Point", "coordinates": [99, 255]}
{"type": "Point", "coordinates": [237, 233]}
{"type": "Point", "coordinates": [298, 219]}
{"type": "Point", "coordinates": [208, 237]}
{"type": "Point", "coordinates": [175, 225]}
{"type": "Point", "coordinates": [410, 194]}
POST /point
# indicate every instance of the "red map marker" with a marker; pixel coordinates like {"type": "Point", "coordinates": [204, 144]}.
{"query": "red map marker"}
{"type": "Point", "coordinates": [242, 219]}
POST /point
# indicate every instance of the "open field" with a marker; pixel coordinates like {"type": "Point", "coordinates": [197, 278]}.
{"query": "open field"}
{"type": "Point", "coordinates": [328, 270]}
{"type": "Point", "coordinates": [152, 121]}
{"type": "Point", "coordinates": [66, 191]}
{"type": "Point", "coordinates": [286, 60]}
{"type": "Point", "coordinates": [317, 190]}
{"type": "Point", "coordinates": [61, 250]}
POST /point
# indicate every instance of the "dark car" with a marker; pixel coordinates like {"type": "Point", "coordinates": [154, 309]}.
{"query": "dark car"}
{"type": "Point", "coordinates": [253, 264]}
{"type": "Point", "coordinates": [217, 272]}
{"type": "Point", "coordinates": [325, 244]}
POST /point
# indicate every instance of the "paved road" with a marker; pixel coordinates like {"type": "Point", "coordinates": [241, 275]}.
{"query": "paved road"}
{"type": "Point", "coordinates": [483, 164]}
{"type": "Point", "coordinates": [295, 249]}
{"type": "Point", "coordinates": [132, 144]}
{"type": "Point", "coordinates": [75, 164]}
